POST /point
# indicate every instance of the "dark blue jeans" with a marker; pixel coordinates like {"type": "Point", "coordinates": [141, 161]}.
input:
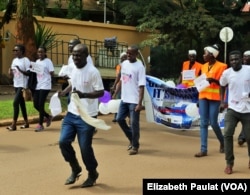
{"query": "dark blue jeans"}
{"type": "Point", "coordinates": [73, 126]}
{"type": "Point", "coordinates": [19, 101]}
{"type": "Point", "coordinates": [39, 100]}
{"type": "Point", "coordinates": [132, 132]}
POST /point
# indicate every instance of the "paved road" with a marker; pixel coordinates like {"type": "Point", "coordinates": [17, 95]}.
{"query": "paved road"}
{"type": "Point", "coordinates": [31, 162]}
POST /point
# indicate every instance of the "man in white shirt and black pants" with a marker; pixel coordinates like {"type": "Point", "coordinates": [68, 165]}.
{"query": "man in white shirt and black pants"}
{"type": "Point", "coordinates": [237, 78]}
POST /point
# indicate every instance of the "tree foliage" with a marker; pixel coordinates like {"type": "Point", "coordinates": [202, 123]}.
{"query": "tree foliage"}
{"type": "Point", "coordinates": [177, 26]}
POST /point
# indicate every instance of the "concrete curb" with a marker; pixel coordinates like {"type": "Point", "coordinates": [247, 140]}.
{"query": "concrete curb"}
{"type": "Point", "coordinates": [32, 120]}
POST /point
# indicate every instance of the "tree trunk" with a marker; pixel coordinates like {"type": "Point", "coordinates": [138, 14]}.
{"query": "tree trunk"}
{"type": "Point", "coordinates": [25, 30]}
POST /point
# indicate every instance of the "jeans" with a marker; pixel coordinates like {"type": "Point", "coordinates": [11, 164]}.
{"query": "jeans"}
{"type": "Point", "coordinates": [209, 111]}
{"type": "Point", "coordinates": [231, 120]}
{"type": "Point", "coordinates": [19, 101]}
{"type": "Point", "coordinates": [132, 132]}
{"type": "Point", "coordinates": [39, 100]}
{"type": "Point", "coordinates": [73, 126]}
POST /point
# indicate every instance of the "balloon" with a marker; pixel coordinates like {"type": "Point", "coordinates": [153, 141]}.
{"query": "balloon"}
{"type": "Point", "coordinates": [192, 110]}
{"type": "Point", "coordinates": [106, 97]}
{"type": "Point", "coordinates": [103, 108]}
{"type": "Point", "coordinates": [113, 105]}
{"type": "Point", "coordinates": [170, 84]}
{"type": "Point", "coordinates": [181, 86]}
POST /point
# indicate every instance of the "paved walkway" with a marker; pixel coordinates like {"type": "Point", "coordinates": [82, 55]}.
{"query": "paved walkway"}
{"type": "Point", "coordinates": [31, 162]}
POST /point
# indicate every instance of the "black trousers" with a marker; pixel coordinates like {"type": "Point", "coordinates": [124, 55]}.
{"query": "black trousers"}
{"type": "Point", "coordinates": [39, 100]}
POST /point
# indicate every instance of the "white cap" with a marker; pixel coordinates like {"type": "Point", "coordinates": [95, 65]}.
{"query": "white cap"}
{"type": "Point", "coordinates": [191, 52]}
{"type": "Point", "coordinates": [212, 49]}
{"type": "Point", "coordinates": [122, 54]}
{"type": "Point", "coordinates": [247, 53]}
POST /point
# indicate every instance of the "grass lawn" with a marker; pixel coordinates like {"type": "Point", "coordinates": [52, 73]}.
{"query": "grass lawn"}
{"type": "Point", "coordinates": [6, 108]}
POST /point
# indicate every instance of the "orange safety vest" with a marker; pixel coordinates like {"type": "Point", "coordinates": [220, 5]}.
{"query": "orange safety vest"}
{"type": "Point", "coordinates": [196, 66]}
{"type": "Point", "coordinates": [212, 92]}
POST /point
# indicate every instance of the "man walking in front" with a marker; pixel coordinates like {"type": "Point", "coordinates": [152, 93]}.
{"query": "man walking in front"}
{"type": "Point", "coordinates": [86, 81]}
{"type": "Point", "coordinates": [237, 78]}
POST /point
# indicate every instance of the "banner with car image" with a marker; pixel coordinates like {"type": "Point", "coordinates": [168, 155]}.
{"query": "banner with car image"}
{"type": "Point", "coordinates": [172, 106]}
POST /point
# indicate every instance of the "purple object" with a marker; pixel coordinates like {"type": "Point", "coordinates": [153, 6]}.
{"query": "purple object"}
{"type": "Point", "coordinates": [106, 97]}
{"type": "Point", "coordinates": [181, 86]}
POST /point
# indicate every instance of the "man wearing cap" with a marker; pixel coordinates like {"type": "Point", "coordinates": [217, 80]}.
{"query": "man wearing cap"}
{"type": "Point", "coordinates": [190, 70]}
{"type": "Point", "coordinates": [209, 99]}
{"type": "Point", "coordinates": [246, 61]}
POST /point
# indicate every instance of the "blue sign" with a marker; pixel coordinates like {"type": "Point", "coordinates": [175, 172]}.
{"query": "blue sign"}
{"type": "Point", "coordinates": [174, 107]}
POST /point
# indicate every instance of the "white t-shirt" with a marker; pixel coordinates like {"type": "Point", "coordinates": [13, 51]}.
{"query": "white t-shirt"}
{"type": "Point", "coordinates": [86, 80]}
{"type": "Point", "coordinates": [238, 85]}
{"type": "Point", "coordinates": [133, 75]}
{"type": "Point", "coordinates": [44, 80]}
{"type": "Point", "coordinates": [19, 79]}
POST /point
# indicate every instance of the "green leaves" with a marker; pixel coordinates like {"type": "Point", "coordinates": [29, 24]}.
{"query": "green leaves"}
{"type": "Point", "coordinates": [45, 36]}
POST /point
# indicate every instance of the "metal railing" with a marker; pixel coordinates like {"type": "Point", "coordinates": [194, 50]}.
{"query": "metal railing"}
{"type": "Point", "coordinates": [102, 57]}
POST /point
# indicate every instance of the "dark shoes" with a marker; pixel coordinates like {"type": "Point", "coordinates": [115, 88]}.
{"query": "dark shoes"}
{"type": "Point", "coordinates": [200, 154]}
{"type": "Point", "coordinates": [133, 151]}
{"type": "Point", "coordinates": [91, 180]}
{"type": "Point", "coordinates": [74, 176]}
{"type": "Point", "coordinates": [25, 126]}
{"type": "Point", "coordinates": [11, 128]}
{"type": "Point", "coordinates": [241, 142]}
{"type": "Point", "coordinates": [48, 121]}
{"type": "Point", "coordinates": [114, 120]}
{"type": "Point", "coordinates": [39, 128]}
{"type": "Point", "coordinates": [229, 169]}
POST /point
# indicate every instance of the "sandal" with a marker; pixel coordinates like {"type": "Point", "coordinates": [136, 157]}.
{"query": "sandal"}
{"type": "Point", "coordinates": [200, 154]}
{"type": "Point", "coordinates": [24, 126]}
{"type": "Point", "coordinates": [229, 169]}
{"type": "Point", "coordinates": [11, 128]}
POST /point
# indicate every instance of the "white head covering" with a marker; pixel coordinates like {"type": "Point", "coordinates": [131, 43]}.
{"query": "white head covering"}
{"type": "Point", "coordinates": [122, 54]}
{"type": "Point", "coordinates": [247, 53]}
{"type": "Point", "coordinates": [192, 52]}
{"type": "Point", "coordinates": [213, 50]}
